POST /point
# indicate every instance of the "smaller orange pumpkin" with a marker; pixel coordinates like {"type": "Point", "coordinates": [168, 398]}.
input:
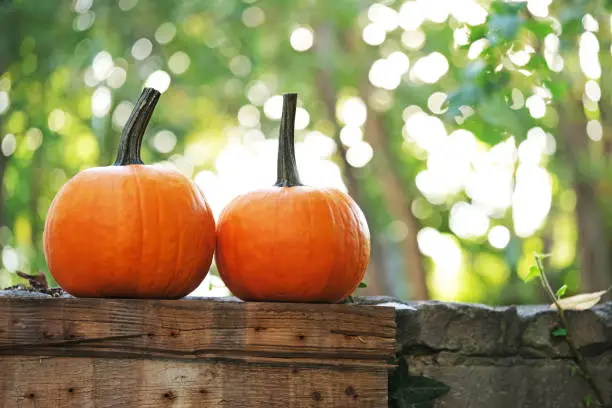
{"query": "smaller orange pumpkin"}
{"type": "Point", "coordinates": [130, 230]}
{"type": "Point", "coordinates": [291, 242]}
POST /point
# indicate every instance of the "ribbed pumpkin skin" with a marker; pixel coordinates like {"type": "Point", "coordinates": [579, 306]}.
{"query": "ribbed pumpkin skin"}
{"type": "Point", "coordinates": [297, 244]}
{"type": "Point", "coordinates": [134, 231]}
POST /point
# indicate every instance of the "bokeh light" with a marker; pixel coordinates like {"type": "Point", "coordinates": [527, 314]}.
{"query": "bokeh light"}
{"type": "Point", "coordinates": [165, 33]}
{"type": "Point", "coordinates": [302, 39]}
{"type": "Point", "coordinates": [4, 102]}
{"type": "Point", "coordinates": [142, 48]}
{"type": "Point", "coordinates": [159, 80]}
{"type": "Point", "coordinates": [499, 237]}
{"type": "Point", "coordinates": [101, 101]}
{"type": "Point", "coordinates": [353, 112]}
{"type": "Point", "coordinates": [374, 34]}
{"type": "Point", "coordinates": [8, 145]}
{"type": "Point", "coordinates": [253, 16]}
{"type": "Point", "coordinates": [179, 62]}
{"type": "Point", "coordinates": [423, 112]}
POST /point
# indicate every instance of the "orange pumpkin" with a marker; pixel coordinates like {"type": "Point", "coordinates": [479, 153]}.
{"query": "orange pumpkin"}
{"type": "Point", "coordinates": [291, 242]}
{"type": "Point", "coordinates": [130, 230]}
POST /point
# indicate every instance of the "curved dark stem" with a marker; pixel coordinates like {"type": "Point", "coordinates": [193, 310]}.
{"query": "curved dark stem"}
{"type": "Point", "coordinates": [133, 131]}
{"type": "Point", "coordinates": [287, 174]}
{"type": "Point", "coordinates": [583, 367]}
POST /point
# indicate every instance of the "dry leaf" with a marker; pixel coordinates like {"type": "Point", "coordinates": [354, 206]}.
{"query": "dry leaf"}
{"type": "Point", "coordinates": [583, 301]}
{"type": "Point", "coordinates": [36, 281]}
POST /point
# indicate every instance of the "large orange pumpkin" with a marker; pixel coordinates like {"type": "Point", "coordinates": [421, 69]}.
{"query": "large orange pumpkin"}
{"type": "Point", "coordinates": [291, 242]}
{"type": "Point", "coordinates": [130, 230]}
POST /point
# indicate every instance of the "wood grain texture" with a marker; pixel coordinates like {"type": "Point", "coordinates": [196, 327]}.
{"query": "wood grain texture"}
{"type": "Point", "coordinates": [103, 383]}
{"type": "Point", "coordinates": [64, 352]}
{"type": "Point", "coordinates": [188, 329]}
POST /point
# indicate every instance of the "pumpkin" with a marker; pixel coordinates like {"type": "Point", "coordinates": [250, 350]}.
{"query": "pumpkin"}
{"type": "Point", "coordinates": [291, 242]}
{"type": "Point", "coordinates": [130, 230]}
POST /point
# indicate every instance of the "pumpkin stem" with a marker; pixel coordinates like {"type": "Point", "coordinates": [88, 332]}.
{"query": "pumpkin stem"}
{"type": "Point", "coordinates": [287, 174]}
{"type": "Point", "coordinates": [134, 129]}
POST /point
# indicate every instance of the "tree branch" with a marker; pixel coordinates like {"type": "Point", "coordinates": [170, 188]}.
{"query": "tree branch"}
{"type": "Point", "coordinates": [585, 372]}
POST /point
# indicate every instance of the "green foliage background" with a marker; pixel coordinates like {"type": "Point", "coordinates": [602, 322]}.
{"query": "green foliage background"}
{"type": "Point", "coordinates": [47, 49]}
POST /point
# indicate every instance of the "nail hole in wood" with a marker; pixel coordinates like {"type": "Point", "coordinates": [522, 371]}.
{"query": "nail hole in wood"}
{"type": "Point", "coordinates": [170, 395]}
{"type": "Point", "coordinates": [294, 370]}
{"type": "Point", "coordinates": [31, 395]}
{"type": "Point", "coordinates": [174, 334]}
{"type": "Point", "coordinates": [203, 391]}
{"type": "Point", "coordinates": [70, 389]}
{"type": "Point", "coordinates": [47, 335]}
{"type": "Point", "coordinates": [301, 337]}
{"type": "Point", "coordinates": [316, 395]}
{"type": "Point", "coordinates": [258, 329]}
{"type": "Point", "coordinates": [349, 390]}
{"type": "Point", "coordinates": [150, 334]}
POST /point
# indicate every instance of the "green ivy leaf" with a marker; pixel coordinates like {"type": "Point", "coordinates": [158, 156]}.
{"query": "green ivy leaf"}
{"type": "Point", "coordinates": [558, 89]}
{"type": "Point", "coordinates": [588, 400]}
{"type": "Point", "coordinates": [537, 63]}
{"type": "Point", "coordinates": [496, 112]}
{"type": "Point", "coordinates": [363, 285]}
{"type": "Point", "coordinates": [539, 28]}
{"type": "Point", "coordinates": [467, 95]}
{"type": "Point", "coordinates": [503, 28]}
{"type": "Point", "coordinates": [500, 7]}
{"type": "Point", "coordinates": [474, 70]}
{"type": "Point", "coordinates": [559, 332]}
{"type": "Point", "coordinates": [572, 28]}
{"type": "Point", "coordinates": [419, 392]}
{"type": "Point", "coordinates": [408, 391]}
{"type": "Point", "coordinates": [477, 32]}
{"type": "Point", "coordinates": [574, 12]}
{"type": "Point", "coordinates": [425, 404]}
{"type": "Point", "coordinates": [573, 370]}
{"type": "Point", "coordinates": [534, 272]}
{"type": "Point", "coordinates": [571, 21]}
{"type": "Point", "coordinates": [561, 291]}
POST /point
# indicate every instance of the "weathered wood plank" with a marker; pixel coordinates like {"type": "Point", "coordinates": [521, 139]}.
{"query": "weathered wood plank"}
{"type": "Point", "coordinates": [103, 383]}
{"type": "Point", "coordinates": [197, 329]}
{"type": "Point", "coordinates": [70, 352]}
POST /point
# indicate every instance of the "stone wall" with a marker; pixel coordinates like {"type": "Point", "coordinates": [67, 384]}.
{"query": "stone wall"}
{"type": "Point", "coordinates": [503, 357]}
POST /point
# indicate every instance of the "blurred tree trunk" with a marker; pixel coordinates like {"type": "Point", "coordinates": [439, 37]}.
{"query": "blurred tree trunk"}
{"type": "Point", "coordinates": [3, 165]}
{"type": "Point", "coordinates": [394, 189]}
{"type": "Point", "coordinates": [377, 282]}
{"type": "Point", "coordinates": [593, 243]}
{"type": "Point", "coordinates": [36, 179]}
{"type": "Point", "coordinates": [394, 192]}
{"type": "Point", "coordinates": [5, 48]}
{"type": "Point", "coordinates": [398, 201]}
{"type": "Point", "coordinates": [9, 46]}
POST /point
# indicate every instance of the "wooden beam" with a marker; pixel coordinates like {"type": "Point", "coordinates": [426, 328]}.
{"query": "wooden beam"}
{"type": "Point", "coordinates": [60, 352]}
